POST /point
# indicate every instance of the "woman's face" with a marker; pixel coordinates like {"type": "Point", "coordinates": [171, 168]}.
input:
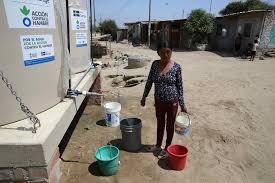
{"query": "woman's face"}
{"type": "Point", "coordinates": [165, 54]}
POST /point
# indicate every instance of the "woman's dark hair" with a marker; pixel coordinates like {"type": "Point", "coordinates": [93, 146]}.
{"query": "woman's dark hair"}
{"type": "Point", "coordinates": [163, 45]}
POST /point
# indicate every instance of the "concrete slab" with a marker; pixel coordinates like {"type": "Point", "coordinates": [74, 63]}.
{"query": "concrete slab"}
{"type": "Point", "coordinates": [19, 147]}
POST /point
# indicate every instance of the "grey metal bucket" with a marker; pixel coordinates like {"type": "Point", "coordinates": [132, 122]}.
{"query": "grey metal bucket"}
{"type": "Point", "coordinates": [131, 134]}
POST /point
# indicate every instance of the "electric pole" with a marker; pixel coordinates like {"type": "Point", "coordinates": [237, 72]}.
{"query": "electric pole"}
{"type": "Point", "coordinates": [149, 25]}
{"type": "Point", "coordinates": [210, 9]}
{"type": "Point", "coordinates": [91, 30]}
{"type": "Point", "coordinates": [94, 14]}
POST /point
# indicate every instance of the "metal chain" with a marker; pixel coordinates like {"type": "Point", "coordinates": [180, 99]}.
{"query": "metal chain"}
{"type": "Point", "coordinates": [24, 108]}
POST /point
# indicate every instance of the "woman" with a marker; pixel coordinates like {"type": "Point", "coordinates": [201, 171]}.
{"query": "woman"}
{"type": "Point", "coordinates": [166, 75]}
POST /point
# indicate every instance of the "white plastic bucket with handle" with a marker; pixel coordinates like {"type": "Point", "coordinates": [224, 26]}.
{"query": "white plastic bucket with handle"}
{"type": "Point", "coordinates": [112, 113]}
{"type": "Point", "coordinates": [183, 124]}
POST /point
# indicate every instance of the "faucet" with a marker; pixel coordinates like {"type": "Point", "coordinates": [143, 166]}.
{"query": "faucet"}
{"type": "Point", "coordinates": [75, 93]}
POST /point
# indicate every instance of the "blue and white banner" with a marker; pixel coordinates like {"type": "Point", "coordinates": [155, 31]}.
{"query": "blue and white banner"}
{"type": "Point", "coordinates": [37, 49]}
{"type": "Point", "coordinates": [31, 14]}
{"type": "Point", "coordinates": [81, 39]}
{"type": "Point", "coordinates": [79, 19]}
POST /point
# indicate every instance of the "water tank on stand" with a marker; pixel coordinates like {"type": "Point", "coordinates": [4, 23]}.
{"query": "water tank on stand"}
{"type": "Point", "coordinates": [32, 56]}
{"type": "Point", "coordinates": [79, 35]}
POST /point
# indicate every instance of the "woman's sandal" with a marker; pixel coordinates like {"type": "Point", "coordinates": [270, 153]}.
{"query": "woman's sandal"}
{"type": "Point", "coordinates": [153, 148]}
{"type": "Point", "coordinates": [163, 155]}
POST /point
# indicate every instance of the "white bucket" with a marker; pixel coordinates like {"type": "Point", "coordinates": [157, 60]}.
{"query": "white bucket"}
{"type": "Point", "coordinates": [112, 113]}
{"type": "Point", "coordinates": [183, 124]}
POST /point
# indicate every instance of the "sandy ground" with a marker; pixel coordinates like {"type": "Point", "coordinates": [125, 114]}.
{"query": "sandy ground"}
{"type": "Point", "coordinates": [231, 102]}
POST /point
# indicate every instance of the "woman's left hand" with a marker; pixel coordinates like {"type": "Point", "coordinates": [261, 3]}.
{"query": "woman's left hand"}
{"type": "Point", "coordinates": [184, 109]}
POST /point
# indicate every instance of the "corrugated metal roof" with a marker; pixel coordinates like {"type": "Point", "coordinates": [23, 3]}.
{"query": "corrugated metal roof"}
{"type": "Point", "coordinates": [244, 12]}
{"type": "Point", "coordinates": [172, 20]}
{"type": "Point", "coordinates": [140, 22]}
{"type": "Point", "coordinates": [130, 23]}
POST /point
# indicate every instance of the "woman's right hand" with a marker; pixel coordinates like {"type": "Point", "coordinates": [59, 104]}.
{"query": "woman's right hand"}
{"type": "Point", "coordinates": [142, 102]}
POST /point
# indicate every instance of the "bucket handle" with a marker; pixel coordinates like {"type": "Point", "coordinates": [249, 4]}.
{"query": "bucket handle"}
{"type": "Point", "coordinates": [189, 120]}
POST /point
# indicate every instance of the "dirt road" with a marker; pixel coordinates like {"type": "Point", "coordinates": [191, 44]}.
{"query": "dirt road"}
{"type": "Point", "coordinates": [232, 104]}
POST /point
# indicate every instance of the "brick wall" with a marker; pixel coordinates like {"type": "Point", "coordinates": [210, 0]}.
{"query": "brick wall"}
{"type": "Point", "coordinates": [50, 173]}
{"type": "Point", "coordinates": [265, 36]}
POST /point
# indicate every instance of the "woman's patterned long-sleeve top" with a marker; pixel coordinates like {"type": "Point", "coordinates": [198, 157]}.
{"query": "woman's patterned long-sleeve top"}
{"type": "Point", "coordinates": [169, 86]}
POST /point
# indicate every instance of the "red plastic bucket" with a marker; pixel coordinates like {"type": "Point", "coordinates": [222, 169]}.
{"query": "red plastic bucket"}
{"type": "Point", "coordinates": [177, 156]}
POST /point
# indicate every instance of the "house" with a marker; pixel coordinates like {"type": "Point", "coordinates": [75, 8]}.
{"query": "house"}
{"type": "Point", "coordinates": [121, 34]}
{"type": "Point", "coordinates": [164, 30]}
{"type": "Point", "coordinates": [172, 31]}
{"type": "Point", "coordinates": [138, 31]}
{"type": "Point", "coordinates": [248, 24]}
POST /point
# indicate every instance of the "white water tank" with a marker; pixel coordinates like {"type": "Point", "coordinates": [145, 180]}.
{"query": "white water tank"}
{"type": "Point", "coordinates": [79, 33]}
{"type": "Point", "coordinates": [31, 56]}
